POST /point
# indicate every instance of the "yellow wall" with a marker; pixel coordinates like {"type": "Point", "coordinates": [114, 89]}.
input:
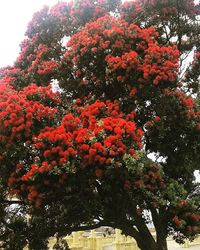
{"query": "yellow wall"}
{"type": "Point", "coordinates": [113, 242]}
{"type": "Point", "coordinates": [117, 241]}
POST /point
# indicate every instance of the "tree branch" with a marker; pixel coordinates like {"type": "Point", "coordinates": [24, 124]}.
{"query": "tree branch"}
{"type": "Point", "coordinates": [10, 202]}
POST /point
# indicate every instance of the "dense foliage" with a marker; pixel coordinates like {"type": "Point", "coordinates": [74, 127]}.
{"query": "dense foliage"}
{"type": "Point", "coordinates": [99, 87]}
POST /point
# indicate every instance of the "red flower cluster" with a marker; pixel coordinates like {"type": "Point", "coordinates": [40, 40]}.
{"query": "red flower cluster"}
{"type": "Point", "coordinates": [61, 10]}
{"type": "Point", "coordinates": [151, 178]}
{"type": "Point", "coordinates": [47, 67]}
{"type": "Point", "coordinates": [186, 101]}
{"type": "Point", "coordinates": [75, 14]}
{"type": "Point", "coordinates": [167, 7]}
{"type": "Point", "coordinates": [187, 220]}
{"type": "Point", "coordinates": [129, 55]}
{"type": "Point", "coordinates": [98, 135]}
{"type": "Point", "coordinates": [41, 62]}
{"type": "Point", "coordinates": [18, 115]}
{"type": "Point", "coordinates": [160, 64]}
{"type": "Point", "coordinates": [130, 9]}
{"type": "Point", "coordinates": [42, 94]}
{"type": "Point", "coordinates": [95, 135]}
{"type": "Point", "coordinates": [177, 221]}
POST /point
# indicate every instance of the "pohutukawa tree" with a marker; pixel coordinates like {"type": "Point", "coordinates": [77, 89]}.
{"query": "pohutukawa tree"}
{"type": "Point", "coordinates": [79, 157]}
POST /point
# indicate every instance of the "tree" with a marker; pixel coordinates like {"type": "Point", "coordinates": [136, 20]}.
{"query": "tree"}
{"type": "Point", "coordinates": [79, 157]}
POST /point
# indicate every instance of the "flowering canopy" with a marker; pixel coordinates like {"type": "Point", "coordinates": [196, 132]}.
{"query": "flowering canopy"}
{"type": "Point", "coordinates": [97, 136]}
{"type": "Point", "coordinates": [124, 50]}
{"type": "Point", "coordinates": [122, 94]}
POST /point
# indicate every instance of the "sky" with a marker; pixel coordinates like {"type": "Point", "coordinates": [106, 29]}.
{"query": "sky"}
{"type": "Point", "coordinates": [14, 17]}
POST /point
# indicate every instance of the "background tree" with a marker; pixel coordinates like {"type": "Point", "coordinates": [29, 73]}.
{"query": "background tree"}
{"type": "Point", "coordinates": [79, 158]}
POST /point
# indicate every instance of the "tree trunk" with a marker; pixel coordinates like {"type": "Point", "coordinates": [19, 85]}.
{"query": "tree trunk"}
{"type": "Point", "coordinates": [149, 245]}
{"type": "Point", "coordinates": [37, 243]}
{"type": "Point", "coordinates": [161, 242]}
{"type": "Point", "coordinates": [146, 245]}
{"type": "Point", "coordinates": [159, 221]}
{"type": "Point", "coordinates": [146, 242]}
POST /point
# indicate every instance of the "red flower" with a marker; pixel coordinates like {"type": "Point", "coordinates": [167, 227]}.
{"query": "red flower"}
{"type": "Point", "coordinates": [157, 119]}
{"type": "Point", "coordinates": [98, 172]}
{"type": "Point", "coordinates": [177, 221]}
{"type": "Point", "coordinates": [78, 101]}
{"type": "Point", "coordinates": [182, 203]}
{"type": "Point", "coordinates": [139, 183]}
{"type": "Point", "coordinates": [127, 185]}
{"type": "Point", "coordinates": [72, 151]}
{"type": "Point", "coordinates": [133, 92]}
